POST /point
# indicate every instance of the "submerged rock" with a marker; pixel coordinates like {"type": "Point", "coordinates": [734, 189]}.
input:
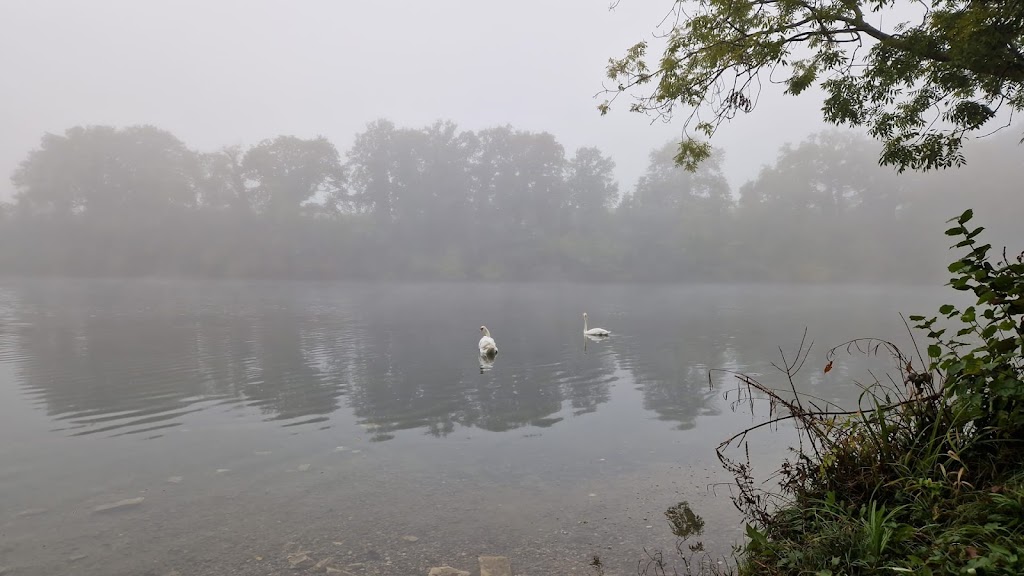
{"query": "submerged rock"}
{"type": "Point", "coordinates": [32, 512]}
{"type": "Point", "coordinates": [410, 538]}
{"type": "Point", "coordinates": [300, 560]}
{"type": "Point", "coordinates": [495, 566]}
{"type": "Point", "coordinates": [175, 480]}
{"type": "Point", "coordinates": [304, 468]}
{"type": "Point", "coordinates": [127, 502]}
{"type": "Point", "coordinates": [446, 571]}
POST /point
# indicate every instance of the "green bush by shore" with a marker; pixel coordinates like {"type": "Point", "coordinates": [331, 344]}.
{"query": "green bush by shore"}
{"type": "Point", "coordinates": [927, 475]}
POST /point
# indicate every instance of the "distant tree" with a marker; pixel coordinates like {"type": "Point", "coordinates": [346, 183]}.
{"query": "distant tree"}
{"type": "Point", "coordinates": [369, 168]}
{"type": "Point", "coordinates": [827, 176]}
{"type": "Point", "coordinates": [104, 171]}
{"type": "Point", "coordinates": [675, 219]}
{"type": "Point", "coordinates": [288, 171]}
{"type": "Point", "coordinates": [592, 188]}
{"type": "Point", "coordinates": [919, 76]}
{"type": "Point", "coordinates": [665, 187]}
{"type": "Point", "coordinates": [590, 246]}
{"type": "Point", "coordinates": [50, 179]}
{"type": "Point", "coordinates": [534, 195]}
{"type": "Point", "coordinates": [440, 203]}
{"type": "Point", "coordinates": [223, 180]}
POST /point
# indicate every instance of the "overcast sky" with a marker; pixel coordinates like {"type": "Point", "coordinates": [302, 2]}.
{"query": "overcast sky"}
{"type": "Point", "coordinates": [219, 72]}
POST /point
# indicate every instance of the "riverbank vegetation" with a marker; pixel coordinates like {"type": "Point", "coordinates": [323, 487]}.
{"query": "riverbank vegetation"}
{"type": "Point", "coordinates": [925, 475]}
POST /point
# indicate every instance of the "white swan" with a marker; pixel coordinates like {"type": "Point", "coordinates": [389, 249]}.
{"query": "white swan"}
{"type": "Point", "coordinates": [593, 331]}
{"type": "Point", "coordinates": [487, 346]}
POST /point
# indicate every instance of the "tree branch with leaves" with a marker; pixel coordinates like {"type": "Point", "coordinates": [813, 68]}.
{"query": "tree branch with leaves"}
{"type": "Point", "coordinates": [920, 86]}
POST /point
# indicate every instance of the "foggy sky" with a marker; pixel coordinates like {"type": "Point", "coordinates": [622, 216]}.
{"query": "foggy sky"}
{"type": "Point", "coordinates": [235, 72]}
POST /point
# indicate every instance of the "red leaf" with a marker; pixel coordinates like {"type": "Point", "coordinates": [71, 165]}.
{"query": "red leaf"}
{"type": "Point", "coordinates": [828, 366]}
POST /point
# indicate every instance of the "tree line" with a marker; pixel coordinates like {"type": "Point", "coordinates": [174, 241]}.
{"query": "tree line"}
{"type": "Point", "coordinates": [441, 203]}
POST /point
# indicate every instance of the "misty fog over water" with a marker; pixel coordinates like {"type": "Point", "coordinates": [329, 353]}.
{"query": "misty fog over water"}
{"type": "Point", "coordinates": [251, 415]}
{"type": "Point", "coordinates": [247, 250]}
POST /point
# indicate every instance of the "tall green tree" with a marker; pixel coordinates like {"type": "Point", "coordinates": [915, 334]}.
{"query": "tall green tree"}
{"type": "Point", "coordinates": [104, 171]}
{"type": "Point", "coordinates": [839, 207]}
{"type": "Point", "coordinates": [592, 189]}
{"type": "Point", "coordinates": [288, 171]}
{"type": "Point", "coordinates": [919, 76]}
{"type": "Point", "coordinates": [370, 171]}
{"type": "Point", "coordinates": [674, 221]}
{"type": "Point", "coordinates": [223, 180]}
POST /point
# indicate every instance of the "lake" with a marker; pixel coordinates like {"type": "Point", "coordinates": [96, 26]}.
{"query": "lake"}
{"type": "Point", "coordinates": [175, 427]}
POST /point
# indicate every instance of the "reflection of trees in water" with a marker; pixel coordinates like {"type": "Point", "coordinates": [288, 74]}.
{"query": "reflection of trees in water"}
{"type": "Point", "coordinates": [104, 366]}
{"type": "Point", "coordinates": [410, 379]}
{"type": "Point", "coordinates": [106, 356]}
{"type": "Point", "coordinates": [669, 354]}
{"type": "Point", "coordinates": [741, 328]}
{"type": "Point", "coordinates": [103, 356]}
{"type": "Point", "coordinates": [387, 396]}
{"type": "Point", "coordinates": [411, 373]}
{"type": "Point", "coordinates": [296, 373]}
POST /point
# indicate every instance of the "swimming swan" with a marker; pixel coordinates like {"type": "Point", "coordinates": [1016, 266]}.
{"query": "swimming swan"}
{"type": "Point", "coordinates": [487, 346]}
{"type": "Point", "coordinates": [593, 331]}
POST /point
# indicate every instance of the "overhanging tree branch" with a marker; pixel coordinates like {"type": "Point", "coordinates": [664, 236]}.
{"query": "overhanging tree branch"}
{"type": "Point", "coordinates": [963, 58]}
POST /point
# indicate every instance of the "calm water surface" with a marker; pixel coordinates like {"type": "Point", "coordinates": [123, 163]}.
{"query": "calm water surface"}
{"type": "Point", "coordinates": [357, 423]}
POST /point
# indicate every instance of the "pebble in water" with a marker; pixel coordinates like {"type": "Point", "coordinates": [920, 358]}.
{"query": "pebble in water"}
{"type": "Point", "coordinates": [127, 502]}
{"type": "Point", "coordinates": [446, 571]}
{"type": "Point", "coordinates": [300, 560]}
{"type": "Point", "coordinates": [31, 512]}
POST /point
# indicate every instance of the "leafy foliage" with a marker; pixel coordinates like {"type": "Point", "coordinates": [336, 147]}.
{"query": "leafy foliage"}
{"type": "Point", "coordinates": [983, 361]}
{"type": "Point", "coordinates": [288, 171]}
{"type": "Point", "coordinates": [924, 475]}
{"type": "Point", "coordinates": [438, 202]}
{"type": "Point", "coordinates": [920, 77]}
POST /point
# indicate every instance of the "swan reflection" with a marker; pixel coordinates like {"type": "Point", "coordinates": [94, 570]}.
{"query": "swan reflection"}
{"type": "Point", "coordinates": [486, 362]}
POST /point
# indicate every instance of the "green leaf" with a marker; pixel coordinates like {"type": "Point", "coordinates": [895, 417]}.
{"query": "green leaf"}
{"type": "Point", "coordinates": [934, 351]}
{"type": "Point", "coordinates": [965, 217]}
{"type": "Point", "coordinates": [968, 315]}
{"type": "Point", "coordinates": [946, 309]}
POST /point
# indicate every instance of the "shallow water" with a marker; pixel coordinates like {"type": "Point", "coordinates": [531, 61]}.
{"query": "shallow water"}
{"type": "Point", "coordinates": [357, 422]}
